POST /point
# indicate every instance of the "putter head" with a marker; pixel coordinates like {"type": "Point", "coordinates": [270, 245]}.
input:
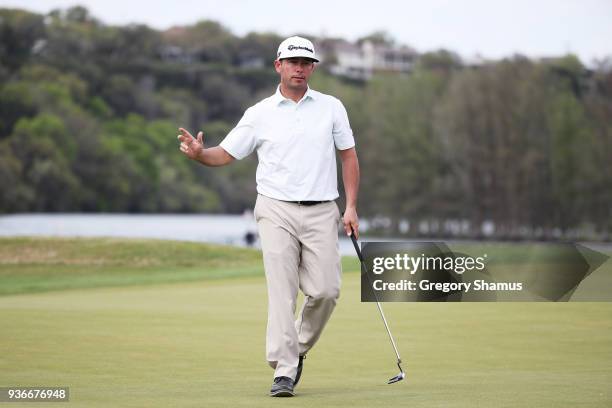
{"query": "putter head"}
{"type": "Point", "coordinates": [398, 377]}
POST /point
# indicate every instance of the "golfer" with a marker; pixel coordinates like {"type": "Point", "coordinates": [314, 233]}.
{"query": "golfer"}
{"type": "Point", "coordinates": [296, 133]}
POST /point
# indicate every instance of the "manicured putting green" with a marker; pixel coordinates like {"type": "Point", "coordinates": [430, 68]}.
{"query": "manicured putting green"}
{"type": "Point", "coordinates": [201, 344]}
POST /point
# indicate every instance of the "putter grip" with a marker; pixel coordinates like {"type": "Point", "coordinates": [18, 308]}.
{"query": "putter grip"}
{"type": "Point", "coordinates": [356, 245]}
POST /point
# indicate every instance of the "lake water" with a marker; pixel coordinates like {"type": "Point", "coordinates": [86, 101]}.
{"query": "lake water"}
{"type": "Point", "coordinates": [219, 229]}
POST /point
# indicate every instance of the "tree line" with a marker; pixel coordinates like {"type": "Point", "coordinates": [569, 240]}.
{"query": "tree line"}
{"type": "Point", "coordinates": [515, 148]}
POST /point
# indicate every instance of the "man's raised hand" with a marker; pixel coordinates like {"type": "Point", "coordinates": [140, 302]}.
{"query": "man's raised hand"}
{"type": "Point", "coordinates": [190, 146]}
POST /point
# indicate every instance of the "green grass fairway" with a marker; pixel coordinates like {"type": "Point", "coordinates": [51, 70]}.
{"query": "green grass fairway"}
{"type": "Point", "coordinates": [200, 342]}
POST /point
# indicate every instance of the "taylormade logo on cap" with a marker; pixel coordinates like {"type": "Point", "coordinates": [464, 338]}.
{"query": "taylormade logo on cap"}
{"type": "Point", "coordinates": [296, 47]}
{"type": "Point", "coordinates": [299, 47]}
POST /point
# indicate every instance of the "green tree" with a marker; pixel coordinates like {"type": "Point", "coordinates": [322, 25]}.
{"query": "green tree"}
{"type": "Point", "coordinates": [46, 169]}
{"type": "Point", "coordinates": [20, 31]}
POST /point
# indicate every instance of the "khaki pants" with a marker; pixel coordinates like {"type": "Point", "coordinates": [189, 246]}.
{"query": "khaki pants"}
{"type": "Point", "coordinates": [300, 250]}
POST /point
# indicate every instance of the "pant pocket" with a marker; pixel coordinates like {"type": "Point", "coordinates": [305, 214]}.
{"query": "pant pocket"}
{"type": "Point", "coordinates": [338, 214]}
{"type": "Point", "coordinates": [255, 212]}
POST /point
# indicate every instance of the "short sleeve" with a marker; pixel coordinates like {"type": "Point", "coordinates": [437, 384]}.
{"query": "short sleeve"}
{"type": "Point", "coordinates": [342, 132]}
{"type": "Point", "coordinates": [241, 141]}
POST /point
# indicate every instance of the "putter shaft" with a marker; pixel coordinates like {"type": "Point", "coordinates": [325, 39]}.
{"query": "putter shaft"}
{"type": "Point", "coordinates": [401, 374]}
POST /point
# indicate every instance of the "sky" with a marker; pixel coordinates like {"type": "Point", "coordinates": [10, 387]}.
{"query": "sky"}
{"type": "Point", "coordinates": [488, 29]}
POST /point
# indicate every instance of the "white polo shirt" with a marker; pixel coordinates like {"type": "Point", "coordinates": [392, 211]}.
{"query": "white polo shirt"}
{"type": "Point", "coordinates": [295, 145]}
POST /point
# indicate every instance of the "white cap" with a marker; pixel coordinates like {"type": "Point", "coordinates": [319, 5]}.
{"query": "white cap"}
{"type": "Point", "coordinates": [296, 47]}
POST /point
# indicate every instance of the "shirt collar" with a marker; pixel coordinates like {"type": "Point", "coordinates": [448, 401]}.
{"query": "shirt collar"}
{"type": "Point", "coordinates": [278, 96]}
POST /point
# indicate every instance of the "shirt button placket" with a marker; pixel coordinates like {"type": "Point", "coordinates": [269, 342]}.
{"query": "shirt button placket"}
{"type": "Point", "coordinates": [297, 121]}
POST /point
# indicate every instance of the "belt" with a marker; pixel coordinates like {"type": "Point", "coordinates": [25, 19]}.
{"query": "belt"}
{"type": "Point", "coordinates": [308, 202]}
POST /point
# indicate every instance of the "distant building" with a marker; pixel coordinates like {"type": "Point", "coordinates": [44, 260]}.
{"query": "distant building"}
{"type": "Point", "coordinates": [174, 53]}
{"type": "Point", "coordinates": [251, 60]}
{"type": "Point", "coordinates": [360, 61]}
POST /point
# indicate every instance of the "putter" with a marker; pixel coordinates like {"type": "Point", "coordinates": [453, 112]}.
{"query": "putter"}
{"type": "Point", "coordinates": [401, 374]}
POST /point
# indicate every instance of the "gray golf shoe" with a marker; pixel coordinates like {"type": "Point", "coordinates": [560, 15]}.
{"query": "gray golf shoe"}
{"type": "Point", "coordinates": [282, 387]}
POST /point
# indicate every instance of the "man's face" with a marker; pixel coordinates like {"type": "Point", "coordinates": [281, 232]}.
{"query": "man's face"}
{"type": "Point", "coordinates": [294, 72]}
